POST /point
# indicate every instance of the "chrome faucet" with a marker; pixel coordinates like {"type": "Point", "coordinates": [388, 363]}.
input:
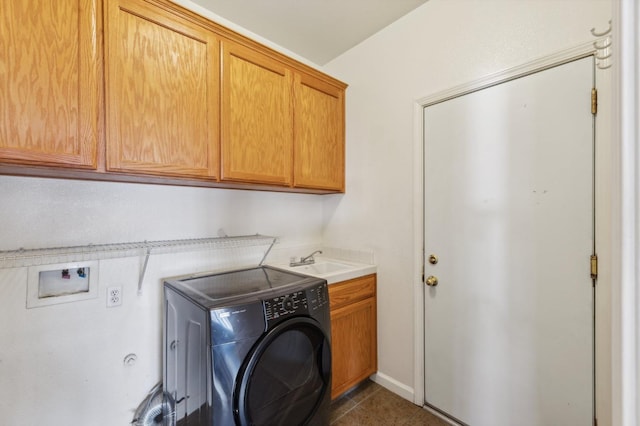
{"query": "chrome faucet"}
{"type": "Point", "coordinates": [306, 260]}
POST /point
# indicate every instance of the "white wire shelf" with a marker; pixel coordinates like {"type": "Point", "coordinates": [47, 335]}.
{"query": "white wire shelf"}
{"type": "Point", "coordinates": [42, 256]}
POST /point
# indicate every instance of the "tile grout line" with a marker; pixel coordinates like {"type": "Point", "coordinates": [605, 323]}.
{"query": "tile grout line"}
{"type": "Point", "coordinates": [356, 404]}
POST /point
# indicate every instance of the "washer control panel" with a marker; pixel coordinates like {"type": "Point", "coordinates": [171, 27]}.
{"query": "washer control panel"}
{"type": "Point", "coordinates": [318, 296]}
{"type": "Point", "coordinates": [289, 304]}
{"type": "Point", "coordinates": [297, 303]}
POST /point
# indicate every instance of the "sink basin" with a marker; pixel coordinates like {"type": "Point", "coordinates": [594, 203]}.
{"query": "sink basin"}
{"type": "Point", "coordinates": [332, 270]}
{"type": "Point", "coordinates": [322, 268]}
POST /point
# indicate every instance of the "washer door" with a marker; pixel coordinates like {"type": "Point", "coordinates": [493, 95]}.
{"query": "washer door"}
{"type": "Point", "coordinates": [285, 377]}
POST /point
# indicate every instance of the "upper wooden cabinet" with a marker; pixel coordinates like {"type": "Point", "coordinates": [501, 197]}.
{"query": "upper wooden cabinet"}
{"type": "Point", "coordinates": [319, 134]}
{"type": "Point", "coordinates": [49, 90]}
{"type": "Point", "coordinates": [279, 126]}
{"type": "Point", "coordinates": [257, 117]}
{"type": "Point", "coordinates": [162, 84]}
{"type": "Point", "coordinates": [171, 98]}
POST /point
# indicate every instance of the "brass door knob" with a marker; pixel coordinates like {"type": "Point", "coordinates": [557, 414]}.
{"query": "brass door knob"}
{"type": "Point", "coordinates": [431, 281]}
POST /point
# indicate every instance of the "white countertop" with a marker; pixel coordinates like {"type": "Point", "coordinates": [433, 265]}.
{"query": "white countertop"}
{"type": "Point", "coordinates": [332, 270]}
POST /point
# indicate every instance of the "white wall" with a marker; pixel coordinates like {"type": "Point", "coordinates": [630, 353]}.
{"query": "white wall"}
{"type": "Point", "coordinates": [442, 44]}
{"type": "Point", "coordinates": [63, 364]}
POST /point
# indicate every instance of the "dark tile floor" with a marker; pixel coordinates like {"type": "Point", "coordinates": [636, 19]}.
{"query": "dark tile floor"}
{"type": "Point", "coordinates": [371, 404]}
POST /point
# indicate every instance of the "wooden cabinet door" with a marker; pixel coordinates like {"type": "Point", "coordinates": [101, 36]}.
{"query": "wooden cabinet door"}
{"type": "Point", "coordinates": [319, 135]}
{"type": "Point", "coordinates": [257, 123]}
{"type": "Point", "coordinates": [162, 85]}
{"type": "Point", "coordinates": [49, 92]}
{"type": "Point", "coordinates": [353, 344]}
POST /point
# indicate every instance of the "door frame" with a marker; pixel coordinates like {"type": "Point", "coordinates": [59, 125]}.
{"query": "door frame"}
{"type": "Point", "coordinates": [602, 309]}
{"type": "Point", "coordinates": [626, 214]}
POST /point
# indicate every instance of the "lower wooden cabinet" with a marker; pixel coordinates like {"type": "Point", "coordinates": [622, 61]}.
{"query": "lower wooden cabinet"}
{"type": "Point", "coordinates": [353, 332]}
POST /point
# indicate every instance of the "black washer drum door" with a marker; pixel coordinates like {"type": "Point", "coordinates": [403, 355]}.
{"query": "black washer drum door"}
{"type": "Point", "coordinates": [285, 377]}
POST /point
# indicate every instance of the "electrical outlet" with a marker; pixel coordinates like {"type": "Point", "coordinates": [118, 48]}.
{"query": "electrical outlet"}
{"type": "Point", "coordinates": [114, 296]}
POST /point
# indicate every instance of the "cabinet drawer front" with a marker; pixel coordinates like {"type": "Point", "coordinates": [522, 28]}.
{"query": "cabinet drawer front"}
{"type": "Point", "coordinates": [351, 291]}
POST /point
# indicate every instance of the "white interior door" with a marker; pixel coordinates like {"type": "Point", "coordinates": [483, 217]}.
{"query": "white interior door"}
{"type": "Point", "coordinates": [509, 214]}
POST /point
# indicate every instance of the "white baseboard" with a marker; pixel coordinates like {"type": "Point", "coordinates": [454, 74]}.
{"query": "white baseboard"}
{"type": "Point", "coordinates": [393, 385]}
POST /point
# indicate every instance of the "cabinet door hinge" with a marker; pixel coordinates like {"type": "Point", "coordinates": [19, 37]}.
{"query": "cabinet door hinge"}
{"type": "Point", "coordinates": [594, 267]}
{"type": "Point", "coordinates": [594, 101]}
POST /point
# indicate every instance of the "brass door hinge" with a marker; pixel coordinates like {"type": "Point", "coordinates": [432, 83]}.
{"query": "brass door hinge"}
{"type": "Point", "coordinates": [594, 267]}
{"type": "Point", "coordinates": [594, 101]}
